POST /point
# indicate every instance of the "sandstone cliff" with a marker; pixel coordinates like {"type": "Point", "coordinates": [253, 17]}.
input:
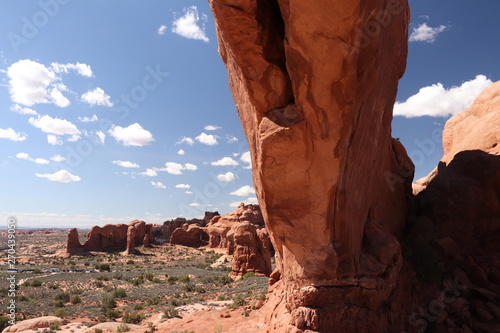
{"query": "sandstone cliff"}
{"type": "Point", "coordinates": [314, 83]}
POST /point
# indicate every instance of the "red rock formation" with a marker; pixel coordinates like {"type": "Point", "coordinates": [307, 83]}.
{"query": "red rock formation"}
{"type": "Point", "coordinates": [190, 235]}
{"type": "Point", "coordinates": [455, 235]}
{"type": "Point", "coordinates": [243, 234]}
{"type": "Point", "coordinates": [131, 240]}
{"type": "Point", "coordinates": [109, 237]}
{"type": "Point", "coordinates": [73, 246]}
{"type": "Point", "coordinates": [315, 83]}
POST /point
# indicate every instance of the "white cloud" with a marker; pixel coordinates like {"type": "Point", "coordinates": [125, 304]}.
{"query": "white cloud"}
{"type": "Point", "coordinates": [177, 168]}
{"type": "Point", "coordinates": [57, 97]}
{"type": "Point", "coordinates": [252, 200]}
{"type": "Point", "coordinates": [181, 152]}
{"type": "Point", "coordinates": [57, 158]}
{"type": "Point", "coordinates": [54, 140]}
{"type": "Point", "coordinates": [126, 164]}
{"type": "Point", "coordinates": [74, 138]}
{"type": "Point", "coordinates": [225, 161]}
{"type": "Point", "coordinates": [41, 161]}
{"type": "Point", "coordinates": [61, 176]}
{"type": "Point", "coordinates": [29, 82]}
{"type": "Point", "coordinates": [149, 173]}
{"type": "Point", "coordinates": [207, 139]}
{"type": "Point", "coordinates": [82, 69]}
{"type": "Point", "coordinates": [17, 108]}
{"type": "Point", "coordinates": [158, 185]}
{"type": "Point", "coordinates": [212, 128]}
{"type": "Point", "coordinates": [437, 101]}
{"type": "Point", "coordinates": [194, 204]}
{"type": "Point", "coordinates": [186, 186]}
{"type": "Point", "coordinates": [227, 177]}
{"type": "Point", "coordinates": [424, 33]}
{"type": "Point", "coordinates": [243, 191]}
{"type": "Point", "coordinates": [97, 97]}
{"type": "Point", "coordinates": [54, 125]}
{"type": "Point", "coordinates": [245, 157]}
{"type": "Point", "coordinates": [191, 167]}
{"type": "Point", "coordinates": [162, 29]}
{"type": "Point", "coordinates": [101, 136]}
{"type": "Point", "coordinates": [188, 192]}
{"type": "Point", "coordinates": [231, 139]}
{"type": "Point", "coordinates": [185, 140]}
{"type": "Point", "coordinates": [191, 25]}
{"type": "Point", "coordinates": [12, 135]}
{"type": "Point", "coordinates": [133, 135]}
{"type": "Point", "coordinates": [88, 120]}
{"type": "Point", "coordinates": [24, 156]}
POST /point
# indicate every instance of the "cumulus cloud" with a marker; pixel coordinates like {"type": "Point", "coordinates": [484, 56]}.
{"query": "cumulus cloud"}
{"type": "Point", "coordinates": [82, 69]}
{"type": "Point", "coordinates": [97, 97]}
{"type": "Point", "coordinates": [17, 108]}
{"type": "Point", "coordinates": [57, 96]}
{"type": "Point", "coordinates": [149, 173]}
{"type": "Point", "coordinates": [190, 25]}
{"type": "Point", "coordinates": [126, 164]}
{"type": "Point", "coordinates": [181, 152]}
{"type": "Point", "coordinates": [74, 138]}
{"type": "Point", "coordinates": [61, 176]}
{"type": "Point", "coordinates": [185, 140]}
{"type": "Point", "coordinates": [245, 158]}
{"type": "Point", "coordinates": [133, 135]}
{"type": "Point", "coordinates": [212, 128]}
{"type": "Point", "coordinates": [251, 200]}
{"type": "Point", "coordinates": [100, 137]}
{"type": "Point", "coordinates": [438, 101]}
{"type": "Point", "coordinates": [54, 125]}
{"type": "Point", "coordinates": [231, 139]}
{"type": "Point", "coordinates": [12, 135]}
{"type": "Point", "coordinates": [225, 161]}
{"type": "Point", "coordinates": [54, 140]}
{"type": "Point", "coordinates": [158, 185]}
{"type": "Point", "coordinates": [227, 177]}
{"type": "Point", "coordinates": [177, 168]}
{"type": "Point", "coordinates": [57, 158]}
{"type": "Point", "coordinates": [27, 157]}
{"type": "Point", "coordinates": [29, 82]}
{"type": "Point", "coordinates": [207, 139]}
{"type": "Point", "coordinates": [243, 191]}
{"type": "Point", "coordinates": [424, 33]}
{"type": "Point", "coordinates": [88, 120]}
{"type": "Point", "coordinates": [194, 204]}
{"type": "Point", "coordinates": [186, 186]}
{"type": "Point", "coordinates": [162, 30]}
{"type": "Point", "coordinates": [191, 167]}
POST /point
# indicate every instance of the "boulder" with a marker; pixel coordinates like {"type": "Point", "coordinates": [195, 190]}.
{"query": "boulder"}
{"type": "Point", "coordinates": [31, 324]}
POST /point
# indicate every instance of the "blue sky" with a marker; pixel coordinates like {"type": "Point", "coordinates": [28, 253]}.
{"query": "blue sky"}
{"type": "Point", "coordinates": [118, 110]}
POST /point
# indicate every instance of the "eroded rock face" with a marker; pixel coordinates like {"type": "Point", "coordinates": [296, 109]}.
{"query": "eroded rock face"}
{"type": "Point", "coordinates": [108, 237]}
{"type": "Point", "coordinates": [242, 232]}
{"type": "Point", "coordinates": [315, 83]}
{"type": "Point", "coordinates": [73, 246]}
{"type": "Point", "coordinates": [190, 235]}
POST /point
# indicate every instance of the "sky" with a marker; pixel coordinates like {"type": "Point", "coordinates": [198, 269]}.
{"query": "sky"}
{"type": "Point", "coordinates": [112, 111]}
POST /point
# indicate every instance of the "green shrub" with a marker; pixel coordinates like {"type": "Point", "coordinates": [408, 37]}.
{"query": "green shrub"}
{"type": "Point", "coordinates": [122, 328]}
{"type": "Point", "coordinates": [4, 322]}
{"type": "Point", "coordinates": [102, 278]}
{"type": "Point", "coordinates": [138, 307]}
{"type": "Point", "coordinates": [36, 283]}
{"type": "Point", "coordinates": [108, 302]}
{"type": "Point", "coordinates": [59, 304]}
{"type": "Point", "coordinates": [248, 275]}
{"type": "Point", "coordinates": [76, 300]}
{"type": "Point", "coordinates": [170, 313]}
{"type": "Point", "coordinates": [238, 301]}
{"type": "Point", "coordinates": [60, 313]}
{"type": "Point", "coordinates": [99, 284]}
{"type": "Point", "coordinates": [113, 313]}
{"type": "Point", "coordinates": [172, 280]}
{"type": "Point", "coordinates": [62, 297]}
{"type": "Point", "coordinates": [154, 301]}
{"type": "Point", "coordinates": [149, 276]}
{"type": "Point", "coordinates": [55, 326]}
{"type": "Point", "coordinates": [184, 279]}
{"type": "Point", "coordinates": [132, 318]}
{"type": "Point", "coordinates": [119, 293]}
{"type": "Point", "coordinates": [97, 330]}
{"type": "Point", "coordinates": [103, 267]}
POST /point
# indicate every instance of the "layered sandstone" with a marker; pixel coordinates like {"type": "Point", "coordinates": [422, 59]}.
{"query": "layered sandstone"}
{"type": "Point", "coordinates": [190, 235]}
{"type": "Point", "coordinates": [242, 233]}
{"type": "Point", "coordinates": [131, 239]}
{"type": "Point", "coordinates": [314, 83]}
{"type": "Point", "coordinates": [73, 246]}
